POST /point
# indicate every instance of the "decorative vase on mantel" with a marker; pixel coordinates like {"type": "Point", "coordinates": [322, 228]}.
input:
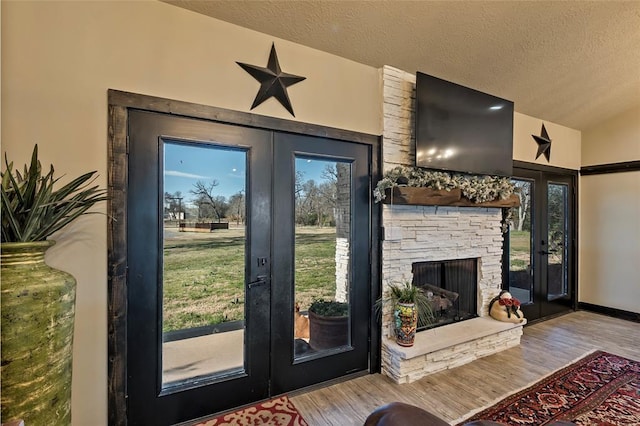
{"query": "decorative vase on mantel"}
{"type": "Point", "coordinates": [38, 306]}
{"type": "Point", "coordinates": [406, 322]}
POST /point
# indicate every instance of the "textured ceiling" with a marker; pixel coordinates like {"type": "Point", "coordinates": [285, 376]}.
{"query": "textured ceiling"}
{"type": "Point", "coordinates": [575, 63]}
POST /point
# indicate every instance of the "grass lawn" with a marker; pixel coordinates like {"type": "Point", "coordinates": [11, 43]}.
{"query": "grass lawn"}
{"type": "Point", "coordinates": [520, 249]}
{"type": "Point", "coordinates": [315, 267]}
{"type": "Point", "coordinates": [204, 274]}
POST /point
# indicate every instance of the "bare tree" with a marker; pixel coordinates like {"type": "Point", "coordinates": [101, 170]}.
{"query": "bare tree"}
{"type": "Point", "coordinates": [310, 201]}
{"type": "Point", "coordinates": [237, 207]}
{"type": "Point", "coordinates": [316, 202]}
{"type": "Point", "coordinates": [524, 193]}
{"type": "Point", "coordinates": [205, 196]}
{"type": "Point", "coordinates": [330, 173]}
{"type": "Point", "coordinates": [298, 183]}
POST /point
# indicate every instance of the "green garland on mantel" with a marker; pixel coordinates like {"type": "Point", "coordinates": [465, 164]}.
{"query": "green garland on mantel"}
{"type": "Point", "coordinates": [476, 189]}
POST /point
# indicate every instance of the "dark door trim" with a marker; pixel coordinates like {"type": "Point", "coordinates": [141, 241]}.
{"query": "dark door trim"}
{"type": "Point", "coordinates": [600, 169]}
{"type": "Point", "coordinates": [117, 165]}
{"type": "Point", "coordinates": [544, 168]}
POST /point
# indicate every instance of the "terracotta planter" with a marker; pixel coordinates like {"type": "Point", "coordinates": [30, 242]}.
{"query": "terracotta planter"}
{"type": "Point", "coordinates": [406, 322]}
{"type": "Point", "coordinates": [328, 332]}
{"type": "Point", "coordinates": [38, 305]}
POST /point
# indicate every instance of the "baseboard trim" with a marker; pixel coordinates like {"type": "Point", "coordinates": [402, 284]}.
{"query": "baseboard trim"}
{"type": "Point", "coordinates": [611, 312]}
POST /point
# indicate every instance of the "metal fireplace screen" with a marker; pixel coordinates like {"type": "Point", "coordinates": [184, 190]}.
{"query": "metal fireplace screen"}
{"type": "Point", "coordinates": [452, 289]}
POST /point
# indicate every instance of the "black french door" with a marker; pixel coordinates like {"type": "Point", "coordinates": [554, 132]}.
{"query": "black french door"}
{"type": "Point", "coordinates": [298, 250]}
{"type": "Point", "coordinates": [540, 247]}
{"type": "Point", "coordinates": [229, 229]}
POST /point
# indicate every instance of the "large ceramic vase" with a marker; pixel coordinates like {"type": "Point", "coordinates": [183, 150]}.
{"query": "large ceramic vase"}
{"type": "Point", "coordinates": [406, 322]}
{"type": "Point", "coordinates": [38, 305]}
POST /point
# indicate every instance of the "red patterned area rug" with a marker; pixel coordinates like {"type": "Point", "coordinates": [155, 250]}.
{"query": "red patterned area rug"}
{"type": "Point", "coordinates": [275, 412]}
{"type": "Point", "coordinates": [600, 389]}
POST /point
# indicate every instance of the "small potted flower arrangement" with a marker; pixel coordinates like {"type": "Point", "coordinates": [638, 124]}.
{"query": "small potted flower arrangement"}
{"type": "Point", "coordinates": [411, 306]}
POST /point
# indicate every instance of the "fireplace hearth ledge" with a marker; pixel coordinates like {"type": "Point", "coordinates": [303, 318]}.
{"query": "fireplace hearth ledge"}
{"type": "Point", "coordinates": [451, 335]}
{"type": "Point", "coordinates": [447, 347]}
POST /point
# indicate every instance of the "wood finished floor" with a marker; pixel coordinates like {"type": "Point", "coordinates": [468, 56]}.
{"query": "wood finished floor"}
{"type": "Point", "coordinates": [451, 394]}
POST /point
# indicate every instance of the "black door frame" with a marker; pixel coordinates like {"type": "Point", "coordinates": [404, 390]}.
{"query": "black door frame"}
{"type": "Point", "coordinates": [120, 103]}
{"type": "Point", "coordinates": [289, 373]}
{"type": "Point", "coordinates": [150, 401]}
{"type": "Point", "coordinates": [573, 229]}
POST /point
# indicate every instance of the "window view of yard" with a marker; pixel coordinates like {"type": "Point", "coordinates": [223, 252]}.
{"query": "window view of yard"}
{"type": "Point", "coordinates": [520, 259]}
{"type": "Point", "coordinates": [205, 226]}
{"type": "Point", "coordinates": [204, 273]}
{"type": "Point", "coordinates": [520, 255]}
{"type": "Point", "coordinates": [520, 229]}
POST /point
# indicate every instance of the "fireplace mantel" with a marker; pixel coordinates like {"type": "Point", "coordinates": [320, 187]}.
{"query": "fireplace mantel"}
{"type": "Point", "coordinates": [420, 196]}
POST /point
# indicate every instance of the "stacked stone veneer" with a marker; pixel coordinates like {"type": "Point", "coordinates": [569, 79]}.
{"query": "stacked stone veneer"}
{"type": "Point", "coordinates": [424, 234]}
{"type": "Point", "coordinates": [342, 269]}
{"type": "Point", "coordinates": [431, 233]}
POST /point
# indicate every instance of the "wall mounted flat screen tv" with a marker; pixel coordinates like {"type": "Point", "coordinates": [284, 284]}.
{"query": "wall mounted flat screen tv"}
{"type": "Point", "coordinates": [461, 129]}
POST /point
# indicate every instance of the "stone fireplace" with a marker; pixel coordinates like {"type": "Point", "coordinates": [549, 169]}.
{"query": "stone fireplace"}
{"type": "Point", "coordinates": [444, 235]}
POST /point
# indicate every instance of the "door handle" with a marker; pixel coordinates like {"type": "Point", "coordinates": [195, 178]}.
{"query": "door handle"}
{"type": "Point", "coordinates": [260, 280]}
{"type": "Point", "coordinates": [543, 252]}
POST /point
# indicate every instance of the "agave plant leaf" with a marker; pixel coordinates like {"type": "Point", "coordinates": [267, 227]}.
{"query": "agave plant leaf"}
{"type": "Point", "coordinates": [33, 179]}
{"type": "Point", "coordinates": [33, 210]}
{"type": "Point", "coordinates": [14, 184]}
{"type": "Point", "coordinates": [64, 213]}
{"type": "Point", "coordinates": [7, 176]}
{"type": "Point", "coordinates": [12, 226]}
{"type": "Point", "coordinates": [75, 185]}
{"type": "Point", "coordinates": [35, 214]}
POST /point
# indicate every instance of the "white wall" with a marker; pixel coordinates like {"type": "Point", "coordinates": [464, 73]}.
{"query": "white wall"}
{"type": "Point", "coordinates": [565, 142]}
{"type": "Point", "coordinates": [609, 236]}
{"type": "Point", "coordinates": [59, 59]}
{"type": "Point", "coordinates": [613, 141]}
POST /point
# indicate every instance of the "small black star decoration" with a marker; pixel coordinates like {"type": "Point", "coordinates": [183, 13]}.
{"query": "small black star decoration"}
{"type": "Point", "coordinates": [273, 82]}
{"type": "Point", "coordinates": [544, 144]}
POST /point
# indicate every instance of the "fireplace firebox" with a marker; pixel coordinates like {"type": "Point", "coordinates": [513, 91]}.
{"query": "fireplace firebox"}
{"type": "Point", "coordinates": [452, 289]}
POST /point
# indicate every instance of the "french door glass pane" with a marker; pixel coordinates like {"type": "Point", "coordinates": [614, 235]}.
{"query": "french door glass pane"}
{"type": "Point", "coordinates": [322, 255]}
{"type": "Point", "coordinates": [203, 278]}
{"type": "Point", "coordinates": [557, 229]}
{"type": "Point", "coordinates": [520, 254]}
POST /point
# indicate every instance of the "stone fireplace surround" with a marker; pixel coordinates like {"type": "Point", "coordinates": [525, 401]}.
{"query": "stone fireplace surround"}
{"type": "Point", "coordinates": [433, 233]}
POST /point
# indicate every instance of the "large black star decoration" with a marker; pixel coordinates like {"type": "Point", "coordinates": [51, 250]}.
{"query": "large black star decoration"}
{"type": "Point", "coordinates": [544, 144]}
{"type": "Point", "coordinates": [273, 82]}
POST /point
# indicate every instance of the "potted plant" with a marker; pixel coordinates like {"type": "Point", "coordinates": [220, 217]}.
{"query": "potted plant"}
{"type": "Point", "coordinates": [38, 302]}
{"type": "Point", "coordinates": [411, 306]}
{"type": "Point", "coordinates": [328, 324]}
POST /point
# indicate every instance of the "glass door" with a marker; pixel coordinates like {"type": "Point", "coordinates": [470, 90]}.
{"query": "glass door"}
{"type": "Point", "coordinates": [199, 240]}
{"type": "Point", "coordinates": [321, 261]}
{"type": "Point", "coordinates": [539, 247]}
{"type": "Point", "coordinates": [203, 260]}
{"type": "Point", "coordinates": [233, 236]}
